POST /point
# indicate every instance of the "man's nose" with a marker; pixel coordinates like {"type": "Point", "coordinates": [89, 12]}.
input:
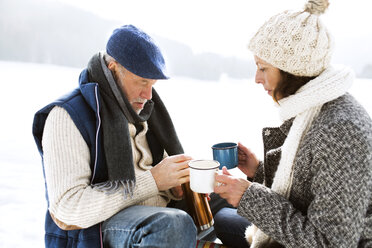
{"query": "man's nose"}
{"type": "Point", "coordinates": [147, 93]}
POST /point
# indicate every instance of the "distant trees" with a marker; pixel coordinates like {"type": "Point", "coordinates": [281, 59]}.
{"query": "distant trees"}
{"type": "Point", "coordinates": [49, 32]}
{"type": "Point", "coordinates": [208, 66]}
{"type": "Point", "coordinates": [42, 31]}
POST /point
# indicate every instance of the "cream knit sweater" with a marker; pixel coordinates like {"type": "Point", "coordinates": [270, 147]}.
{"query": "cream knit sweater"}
{"type": "Point", "coordinates": [72, 200]}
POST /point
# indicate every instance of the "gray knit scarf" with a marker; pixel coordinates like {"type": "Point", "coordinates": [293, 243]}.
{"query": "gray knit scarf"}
{"type": "Point", "coordinates": [116, 112]}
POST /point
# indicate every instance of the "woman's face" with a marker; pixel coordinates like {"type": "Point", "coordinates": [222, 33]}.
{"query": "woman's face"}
{"type": "Point", "coordinates": [267, 75]}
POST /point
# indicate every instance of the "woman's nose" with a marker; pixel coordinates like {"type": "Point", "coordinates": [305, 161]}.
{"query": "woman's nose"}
{"type": "Point", "coordinates": [258, 78]}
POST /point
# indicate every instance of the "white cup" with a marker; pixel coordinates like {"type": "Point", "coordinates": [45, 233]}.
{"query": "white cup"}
{"type": "Point", "coordinates": [202, 174]}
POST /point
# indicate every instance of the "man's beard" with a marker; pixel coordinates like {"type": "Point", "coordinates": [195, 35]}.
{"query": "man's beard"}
{"type": "Point", "coordinates": [138, 100]}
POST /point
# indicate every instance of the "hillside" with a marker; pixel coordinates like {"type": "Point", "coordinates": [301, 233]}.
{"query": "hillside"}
{"type": "Point", "coordinates": [41, 31]}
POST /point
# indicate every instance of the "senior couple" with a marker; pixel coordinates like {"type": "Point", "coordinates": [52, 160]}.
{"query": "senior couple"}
{"type": "Point", "coordinates": [113, 164]}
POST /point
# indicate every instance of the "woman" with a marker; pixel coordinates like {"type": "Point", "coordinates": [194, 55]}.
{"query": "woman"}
{"type": "Point", "coordinates": [314, 187]}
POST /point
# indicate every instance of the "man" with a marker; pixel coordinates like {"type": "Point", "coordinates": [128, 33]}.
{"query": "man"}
{"type": "Point", "coordinates": [105, 150]}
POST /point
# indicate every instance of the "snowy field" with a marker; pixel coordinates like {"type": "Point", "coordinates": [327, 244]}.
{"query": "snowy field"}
{"type": "Point", "coordinates": [204, 113]}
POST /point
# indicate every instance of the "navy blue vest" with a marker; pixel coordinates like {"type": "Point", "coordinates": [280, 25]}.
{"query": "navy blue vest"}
{"type": "Point", "coordinates": [83, 105]}
{"type": "Point", "coordinates": [83, 111]}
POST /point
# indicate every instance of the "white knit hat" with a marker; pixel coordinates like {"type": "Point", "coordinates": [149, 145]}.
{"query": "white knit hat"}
{"type": "Point", "coordinates": [296, 42]}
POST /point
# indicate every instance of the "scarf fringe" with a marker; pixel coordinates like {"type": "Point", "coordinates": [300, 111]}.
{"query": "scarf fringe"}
{"type": "Point", "coordinates": [111, 187]}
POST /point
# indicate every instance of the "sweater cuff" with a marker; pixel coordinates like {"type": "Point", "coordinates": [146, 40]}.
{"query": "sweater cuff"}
{"type": "Point", "coordinates": [251, 199]}
{"type": "Point", "coordinates": [147, 182]}
{"type": "Point", "coordinates": [259, 175]}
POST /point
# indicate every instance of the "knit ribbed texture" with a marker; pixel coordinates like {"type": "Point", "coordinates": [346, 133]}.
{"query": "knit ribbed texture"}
{"type": "Point", "coordinates": [66, 159]}
{"type": "Point", "coordinates": [295, 41]}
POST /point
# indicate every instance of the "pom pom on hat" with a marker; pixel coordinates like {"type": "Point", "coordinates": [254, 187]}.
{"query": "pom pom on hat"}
{"type": "Point", "coordinates": [316, 7]}
{"type": "Point", "coordinates": [137, 52]}
{"type": "Point", "coordinates": [295, 42]}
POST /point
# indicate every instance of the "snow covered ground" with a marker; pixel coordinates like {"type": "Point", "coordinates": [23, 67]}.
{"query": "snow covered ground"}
{"type": "Point", "coordinates": [204, 113]}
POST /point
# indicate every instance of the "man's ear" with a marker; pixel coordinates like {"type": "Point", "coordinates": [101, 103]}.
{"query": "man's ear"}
{"type": "Point", "coordinates": [112, 66]}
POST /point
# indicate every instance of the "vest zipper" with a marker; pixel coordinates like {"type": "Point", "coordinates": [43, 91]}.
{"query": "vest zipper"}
{"type": "Point", "coordinates": [97, 131]}
{"type": "Point", "coordinates": [96, 155]}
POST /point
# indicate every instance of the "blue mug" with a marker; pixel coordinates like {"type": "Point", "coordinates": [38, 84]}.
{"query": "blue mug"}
{"type": "Point", "coordinates": [226, 154]}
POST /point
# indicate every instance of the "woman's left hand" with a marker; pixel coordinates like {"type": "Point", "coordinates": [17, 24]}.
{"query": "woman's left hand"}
{"type": "Point", "coordinates": [230, 187]}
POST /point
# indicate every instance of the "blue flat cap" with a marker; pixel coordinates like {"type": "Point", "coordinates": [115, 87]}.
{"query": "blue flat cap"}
{"type": "Point", "coordinates": [137, 52]}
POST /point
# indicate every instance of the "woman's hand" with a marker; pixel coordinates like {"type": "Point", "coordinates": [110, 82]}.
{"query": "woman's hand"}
{"type": "Point", "coordinates": [248, 161]}
{"type": "Point", "coordinates": [230, 188]}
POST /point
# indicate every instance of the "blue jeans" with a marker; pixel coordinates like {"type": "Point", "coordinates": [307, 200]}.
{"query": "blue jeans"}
{"type": "Point", "coordinates": [145, 226]}
{"type": "Point", "coordinates": [230, 228]}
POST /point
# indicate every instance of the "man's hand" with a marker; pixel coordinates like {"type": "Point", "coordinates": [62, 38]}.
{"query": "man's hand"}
{"type": "Point", "coordinates": [230, 188]}
{"type": "Point", "coordinates": [177, 191]}
{"type": "Point", "coordinates": [171, 172]}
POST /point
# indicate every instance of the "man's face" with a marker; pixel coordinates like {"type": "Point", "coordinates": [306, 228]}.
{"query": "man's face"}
{"type": "Point", "coordinates": [138, 90]}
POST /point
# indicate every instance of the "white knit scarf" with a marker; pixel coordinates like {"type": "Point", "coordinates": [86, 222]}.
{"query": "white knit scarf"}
{"type": "Point", "coordinates": [304, 106]}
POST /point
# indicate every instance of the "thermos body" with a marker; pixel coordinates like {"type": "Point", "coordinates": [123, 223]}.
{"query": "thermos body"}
{"type": "Point", "coordinates": [199, 208]}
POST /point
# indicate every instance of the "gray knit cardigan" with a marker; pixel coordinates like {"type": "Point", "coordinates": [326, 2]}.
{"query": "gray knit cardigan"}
{"type": "Point", "coordinates": [330, 203]}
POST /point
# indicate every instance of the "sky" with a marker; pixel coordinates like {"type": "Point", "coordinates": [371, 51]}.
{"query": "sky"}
{"type": "Point", "coordinates": [224, 26]}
